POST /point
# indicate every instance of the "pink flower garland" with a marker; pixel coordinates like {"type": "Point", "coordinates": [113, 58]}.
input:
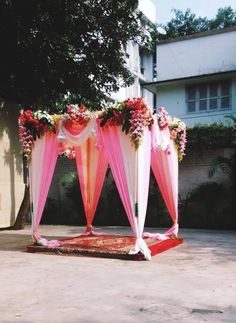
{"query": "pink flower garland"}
{"type": "Point", "coordinates": [163, 118]}
{"type": "Point", "coordinates": [26, 138]}
{"type": "Point", "coordinates": [78, 113]}
{"type": "Point", "coordinates": [132, 115]}
{"type": "Point", "coordinates": [177, 130]}
{"type": "Point", "coordinates": [178, 134]}
{"type": "Point", "coordinates": [31, 126]}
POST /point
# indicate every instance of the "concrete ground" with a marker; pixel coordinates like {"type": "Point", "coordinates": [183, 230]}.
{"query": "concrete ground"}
{"type": "Point", "coordinates": [194, 282]}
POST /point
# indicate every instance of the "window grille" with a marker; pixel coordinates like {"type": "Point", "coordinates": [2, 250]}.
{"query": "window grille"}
{"type": "Point", "coordinates": [207, 97]}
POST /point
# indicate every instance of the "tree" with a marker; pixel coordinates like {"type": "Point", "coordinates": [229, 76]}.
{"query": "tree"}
{"type": "Point", "coordinates": [64, 48]}
{"type": "Point", "coordinates": [225, 17]}
{"type": "Point", "coordinates": [183, 24]}
{"type": "Point", "coordinates": [186, 23]}
{"type": "Point", "coordinates": [52, 48]}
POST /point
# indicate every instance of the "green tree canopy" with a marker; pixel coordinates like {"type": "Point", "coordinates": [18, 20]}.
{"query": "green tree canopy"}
{"type": "Point", "coordinates": [187, 23]}
{"type": "Point", "coordinates": [52, 48]}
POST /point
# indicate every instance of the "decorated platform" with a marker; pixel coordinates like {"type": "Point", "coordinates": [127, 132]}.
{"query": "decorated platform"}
{"type": "Point", "coordinates": [105, 246]}
{"type": "Point", "coordinates": [125, 136]}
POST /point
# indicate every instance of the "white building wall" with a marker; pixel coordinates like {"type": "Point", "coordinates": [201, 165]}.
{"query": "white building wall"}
{"type": "Point", "coordinates": [148, 8]}
{"type": "Point", "coordinates": [11, 181]}
{"type": "Point", "coordinates": [133, 64]}
{"type": "Point", "coordinates": [197, 56]}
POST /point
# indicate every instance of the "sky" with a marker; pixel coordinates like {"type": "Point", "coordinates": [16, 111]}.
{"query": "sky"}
{"type": "Point", "coordinates": [203, 8]}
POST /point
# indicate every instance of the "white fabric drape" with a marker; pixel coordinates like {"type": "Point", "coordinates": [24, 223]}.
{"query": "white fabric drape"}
{"type": "Point", "coordinates": [164, 163]}
{"type": "Point", "coordinates": [76, 139]}
{"type": "Point", "coordinates": [131, 170]}
{"type": "Point", "coordinates": [41, 168]}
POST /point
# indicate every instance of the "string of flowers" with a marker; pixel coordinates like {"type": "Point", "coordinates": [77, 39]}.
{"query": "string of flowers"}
{"type": "Point", "coordinates": [32, 125]}
{"type": "Point", "coordinates": [178, 134]}
{"type": "Point", "coordinates": [132, 115]}
{"type": "Point", "coordinates": [177, 130]}
{"type": "Point", "coordinates": [78, 114]}
{"type": "Point", "coordinates": [163, 118]}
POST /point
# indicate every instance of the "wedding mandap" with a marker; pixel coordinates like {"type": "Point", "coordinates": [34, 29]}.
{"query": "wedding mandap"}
{"type": "Point", "coordinates": [127, 137]}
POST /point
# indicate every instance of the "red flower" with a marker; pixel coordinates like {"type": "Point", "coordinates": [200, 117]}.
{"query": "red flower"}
{"type": "Point", "coordinates": [83, 108]}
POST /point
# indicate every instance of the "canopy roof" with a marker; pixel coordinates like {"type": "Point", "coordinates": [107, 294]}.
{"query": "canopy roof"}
{"type": "Point", "coordinates": [128, 137]}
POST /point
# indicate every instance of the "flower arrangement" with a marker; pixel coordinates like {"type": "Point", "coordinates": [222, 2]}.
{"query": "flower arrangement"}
{"type": "Point", "coordinates": [78, 114]}
{"type": "Point", "coordinates": [163, 118]}
{"type": "Point", "coordinates": [65, 150]}
{"type": "Point", "coordinates": [70, 152]}
{"type": "Point", "coordinates": [177, 130]}
{"type": "Point", "coordinates": [132, 115]}
{"type": "Point", "coordinates": [31, 126]}
{"type": "Point", "coordinates": [178, 134]}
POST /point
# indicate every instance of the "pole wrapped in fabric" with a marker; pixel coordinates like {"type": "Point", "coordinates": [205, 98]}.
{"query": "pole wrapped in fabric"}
{"type": "Point", "coordinates": [41, 169]}
{"type": "Point", "coordinates": [92, 165]}
{"type": "Point", "coordinates": [131, 170]}
{"type": "Point", "coordinates": [164, 164]}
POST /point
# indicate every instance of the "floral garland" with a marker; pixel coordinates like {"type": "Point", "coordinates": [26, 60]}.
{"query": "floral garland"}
{"type": "Point", "coordinates": [177, 130]}
{"type": "Point", "coordinates": [178, 134]}
{"type": "Point", "coordinates": [132, 115]}
{"type": "Point", "coordinates": [33, 125]}
{"type": "Point", "coordinates": [78, 114]}
{"type": "Point", "coordinates": [163, 118]}
{"type": "Point", "coordinates": [66, 151]}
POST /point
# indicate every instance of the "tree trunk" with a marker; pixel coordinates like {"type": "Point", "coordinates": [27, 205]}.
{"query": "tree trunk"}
{"type": "Point", "coordinates": [22, 215]}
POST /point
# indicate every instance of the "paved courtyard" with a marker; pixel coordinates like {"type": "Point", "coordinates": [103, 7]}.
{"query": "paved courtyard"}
{"type": "Point", "coordinates": [194, 282]}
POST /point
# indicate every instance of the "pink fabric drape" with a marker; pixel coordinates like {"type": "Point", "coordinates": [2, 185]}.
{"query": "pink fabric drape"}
{"type": "Point", "coordinates": [77, 134]}
{"type": "Point", "coordinates": [131, 174]}
{"type": "Point", "coordinates": [110, 138]}
{"type": "Point", "coordinates": [43, 162]}
{"type": "Point", "coordinates": [165, 168]}
{"type": "Point", "coordinates": [91, 167]}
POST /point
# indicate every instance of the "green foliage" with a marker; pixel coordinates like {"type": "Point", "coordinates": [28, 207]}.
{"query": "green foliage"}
{"type": "Point", "coordinates": [52, 49]}
{"type": "Point", "coordinates": [208, 207]}
{"type": "Point", "coordinates": [183, 24]}
{"type": "Point", "coordinates": [70, 183]}
{"type": "Point", "coordinates": [228, 165]}
{"type": "Point", "coordinates": [187, 23]}
{"type": "Point", "coordinates": [225, 17]}
{"type": "Point", "coordinates": [216, 135]}
{"type": "Point", "coordinates": [157, 213]}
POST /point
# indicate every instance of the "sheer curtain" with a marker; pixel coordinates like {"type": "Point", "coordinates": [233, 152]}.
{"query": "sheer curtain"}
{"type": "Point", "coordinates": [164, 164]}
{"type": "Point", "coordinates": [92, 165]}
{"type": "Point", "coordinates": [41, 168]}
{"type": "Point", "coordinates": [130, 169]}
{"type": "Point", "coordinates": [76, 134]}
{"type": "Point", "coordinates": [42, 165]}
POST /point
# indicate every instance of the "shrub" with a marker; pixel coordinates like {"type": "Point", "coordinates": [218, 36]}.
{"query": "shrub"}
{"type": "Point", "coordinates": [208, 207]}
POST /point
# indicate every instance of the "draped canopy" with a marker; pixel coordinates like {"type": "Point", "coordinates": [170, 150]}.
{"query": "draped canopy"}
{"type": "Point", "coordinates": [95, 147]}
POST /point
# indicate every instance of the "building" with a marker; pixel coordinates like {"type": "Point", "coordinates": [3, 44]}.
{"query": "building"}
{"type": "Point", "coordinates": [196, 82]}
{"type": "Point", "coordinates": [140, 62]}
{"type": "Point", "coordinates": [196, 76]}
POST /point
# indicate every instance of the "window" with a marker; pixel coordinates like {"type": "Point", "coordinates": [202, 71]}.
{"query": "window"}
{"type": "Point", "coordinates": [214, 96]}
{"type": "Point", "coordinates": [141, 62]}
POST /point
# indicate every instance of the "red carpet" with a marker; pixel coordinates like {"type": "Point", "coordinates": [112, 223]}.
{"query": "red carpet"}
{"type": "Point", "coordinates": [107, 246]}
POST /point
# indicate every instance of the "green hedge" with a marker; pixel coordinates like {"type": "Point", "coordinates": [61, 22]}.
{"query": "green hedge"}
{"type": "Point", "coordinates": [216, 135]}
